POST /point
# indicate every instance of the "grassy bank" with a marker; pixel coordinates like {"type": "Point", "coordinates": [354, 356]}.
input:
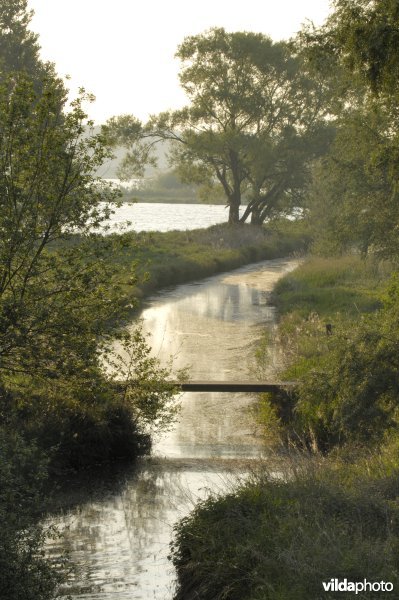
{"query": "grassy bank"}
{"type": "Point", "coordinates": [163, 259]}
{"type": "Point", "coordinates": [279, 540]}
{"type": "Point", "coordinates": [335, 514]}
{"type": "Point", "coordinates": [328, 286]}
{"type": "Point", "coordinates": [346, 380]}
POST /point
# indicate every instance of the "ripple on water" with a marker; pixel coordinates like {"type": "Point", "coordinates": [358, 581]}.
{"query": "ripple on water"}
{"type": "Point", "coordinates": [119, 542]}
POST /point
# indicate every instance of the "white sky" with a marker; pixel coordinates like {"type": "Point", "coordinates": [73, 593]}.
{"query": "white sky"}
{"type": "Point", "coordinates": [123, 50]}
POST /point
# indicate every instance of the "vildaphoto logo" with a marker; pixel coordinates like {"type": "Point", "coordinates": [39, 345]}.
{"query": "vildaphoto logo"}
{"type": "Point", "coordinates": [343, 585]}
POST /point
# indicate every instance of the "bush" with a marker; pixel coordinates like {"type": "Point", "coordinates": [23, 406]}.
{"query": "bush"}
{"type": "Point", "coordinates": [352, 395]}
{"type": "Point", "coordinates": [25, 574]}
{"type": "Point", "coordinates": [348, 385]}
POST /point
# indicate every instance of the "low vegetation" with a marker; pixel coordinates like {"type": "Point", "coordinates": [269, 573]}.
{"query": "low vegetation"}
{"type": "Point", "coordinates": [347, 372]}
{"type": "Point", "coordinates": [281, 538]}
{"type": "Point", "coordinates": [334, 513]}
{"type": "Point", "coordinates": [344, 285]}
{"type": "Point", "coordinates": [150, 261]}
{"type": "Point", "coordinates": [24, 570]}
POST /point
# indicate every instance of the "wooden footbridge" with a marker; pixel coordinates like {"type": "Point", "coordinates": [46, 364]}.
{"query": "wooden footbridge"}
{"type": "Point", "coordinates": [216, 386]}
{"type": "Point", "coordinates": [224, 386]}
{"type": "Point", "coordinates": [233, 386]}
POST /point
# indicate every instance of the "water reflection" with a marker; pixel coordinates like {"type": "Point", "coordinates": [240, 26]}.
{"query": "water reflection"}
{"type": "Point", "coordinates": [213, 328]}
{"type": "Point", "coordinates": [120, 542]}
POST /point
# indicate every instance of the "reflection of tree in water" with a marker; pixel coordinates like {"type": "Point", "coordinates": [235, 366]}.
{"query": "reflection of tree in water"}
{"type": "Point", "coordinates": [122, 541]}
{"type": "Point", "coordinates": [217, 419]}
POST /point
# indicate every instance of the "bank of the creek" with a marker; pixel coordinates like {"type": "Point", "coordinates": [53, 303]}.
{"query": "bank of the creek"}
{"type": "Point", "coordinates": [119, 539]}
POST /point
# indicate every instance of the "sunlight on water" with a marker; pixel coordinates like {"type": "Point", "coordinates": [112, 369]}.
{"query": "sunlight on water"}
{"type": "Point", "coordinates": [166, 217]}
{"type": "Point", "coordinates": [120, 541]}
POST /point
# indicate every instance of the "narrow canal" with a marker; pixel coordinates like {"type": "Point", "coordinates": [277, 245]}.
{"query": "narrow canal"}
{"type": "Point", "coordinates": [119, 540]}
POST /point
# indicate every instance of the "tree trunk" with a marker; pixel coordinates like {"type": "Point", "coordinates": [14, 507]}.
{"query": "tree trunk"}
{"type": "Point", "coordinates": [234, 213]}
{"type": "Point", "coordinates": [255, 216]}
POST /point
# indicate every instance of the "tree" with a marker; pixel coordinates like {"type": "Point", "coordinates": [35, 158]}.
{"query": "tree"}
{"type": "Point", "coordinates": [252, 106]}
{"type": "Point", "coordinates": [359, 181]}
{"type": "Point", "coordinates": [46, 192]}
{"type": "Point", "coordinates": [364, 36]}
{"type": "Point", "coordinates": [58, 293]}
{"type": "Point", "coordinates": [19, 47]}
{"type": "Point", "coordinates": [353, 200]}
{"type": "Point", "coordinates": [58, 302]}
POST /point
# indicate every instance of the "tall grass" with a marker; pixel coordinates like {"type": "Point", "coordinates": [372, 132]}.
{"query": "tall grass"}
{"type": "Point", "coordinates": [275, 539]}
{"type": "Point", "coordinates": [327, 286]}
{"type": "Point", "coordinates": [346, 381]}
{"type": "Point", "coordinates": [279, 538]}
{"type": "Point", "coordinates": [162, 259]}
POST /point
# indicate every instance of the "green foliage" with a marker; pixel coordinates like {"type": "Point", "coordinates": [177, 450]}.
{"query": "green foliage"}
{"type": "Point", "coordinates": [59, 297]}
{"type": "Point", "coordinates": [252, 126]}
{"type": "Point", "coordinates": [364, 34]}
{"type": "Point", "coordinates": [19, 47]}
{"type": "Point", "coordinates": [81, 422]}
{"type": "Point", "coordinates": [354, 199]}
{"type": "Point", "coordinates": [274, 539]}
{"type": "Point", "coordinates": [46, 192]}
{"type": "Point", "coordinates": [347, 382]}
{"type": "Point", "coordinates": [144, 384]}
{"type": "Point", "coordinates": [281, 537]}
{"type": "Point", "coordinates": [24, 571]}
{"type": "Point", "coordinates": [326, 286]}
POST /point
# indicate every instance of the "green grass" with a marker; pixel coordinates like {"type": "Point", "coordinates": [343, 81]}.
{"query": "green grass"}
{"type": "Point", "coordinates": [164, 259]}
{"type": "Point", "coordinates": [274, 539]}
{"type": "Point", "coordinates": [327, 286]}
{"type": "Point", "coordinates": [279, 538]}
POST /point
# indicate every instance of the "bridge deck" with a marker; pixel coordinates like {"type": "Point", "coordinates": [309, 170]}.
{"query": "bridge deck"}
{"type": "Point", "coordinates": [233, 386]}
{"type": "Point", "coordinates": [222, 386]}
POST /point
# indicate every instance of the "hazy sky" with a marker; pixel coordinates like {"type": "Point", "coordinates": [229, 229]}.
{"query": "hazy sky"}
{"type": "Point", "coordinates": [123, 50]}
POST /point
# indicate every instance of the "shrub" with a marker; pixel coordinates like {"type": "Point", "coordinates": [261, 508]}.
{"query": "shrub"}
{"type": "Point", "coordinates": [25, 574]}
{"type": "Point", "coordinates": [348, 385]}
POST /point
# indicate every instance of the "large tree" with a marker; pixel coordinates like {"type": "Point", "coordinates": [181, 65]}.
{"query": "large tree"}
{"type": "Point", "coordinates": [252, 106]}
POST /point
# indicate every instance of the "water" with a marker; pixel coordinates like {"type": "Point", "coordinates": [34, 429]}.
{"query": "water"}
{"type": "Point", "coordinates": [166, 217]}
{"type": "Point", "coordinates": [120, 539]}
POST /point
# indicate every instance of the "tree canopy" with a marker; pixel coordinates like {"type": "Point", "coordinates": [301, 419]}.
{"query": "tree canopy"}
{"type": "Point", "coordinates": [354, 199]}
{"type": "Point", "coordinates": [364, 35]}
{"type": "Point", "coordinates": [251, 125]}
{"type": "Point", "coordinates": [19, 46]}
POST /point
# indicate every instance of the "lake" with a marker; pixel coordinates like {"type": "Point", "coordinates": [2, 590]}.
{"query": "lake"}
{"type": "Point", "coordinates": [166, 217]}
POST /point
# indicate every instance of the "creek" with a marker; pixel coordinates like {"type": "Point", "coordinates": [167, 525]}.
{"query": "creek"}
{"type": "Point", "coordinates": [119, 538]}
